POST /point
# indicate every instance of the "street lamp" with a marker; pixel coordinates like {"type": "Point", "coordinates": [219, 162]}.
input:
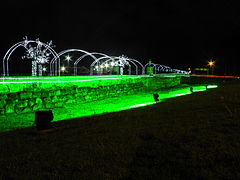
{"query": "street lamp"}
{"type": "Point", "coordinates": [63, 68]}
{"type": "Point", "coordinates": [211, 65]}
{"type": "Point", "coordinates": [68, 59]}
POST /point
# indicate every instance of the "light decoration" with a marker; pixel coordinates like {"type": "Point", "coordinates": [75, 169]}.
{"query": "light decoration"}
{"type": "Point", "coordinates": [39, 55]}
{"type": "Point", "coordinates": [75, 51]}
{"type": "Point", "coordinates": [63, 68]}
{"type": "Point", "coordinates": [122, 62]}
{"type": "Point", "coordinates": [103, 56]}
{"type": "Point", "coordinates": [68, 58]}
{"type": "Point", "coordinates": [112, 63]}
{"type": "Point", "coordinates": [44, 69]}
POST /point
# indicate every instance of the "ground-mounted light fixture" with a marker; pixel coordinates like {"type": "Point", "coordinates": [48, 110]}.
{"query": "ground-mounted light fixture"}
{"type": "Point", "coordinates": [156, 96]}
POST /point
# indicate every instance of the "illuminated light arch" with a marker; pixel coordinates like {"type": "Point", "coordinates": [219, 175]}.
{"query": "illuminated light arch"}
{"type": "Point", "coordinates": [129, 60]}
{"type": "Point", "coordinates": [154, 67]}
{"type": "Point", "coordinates": [167, 68]}
{"type": "Point", "coordinates": [163, 68]}
{"type": "Point", "coordinates": [98, 61]}
{"type": "Point", "coordinates": [134, 60]}
{"type": "Point", "coordinates": [179, 71]}
{"type": "Point", "coordinates": [24, 44]}
{"type": "Point", "coordinates": [119, 62]}
{"type": "Point", "coordinates": [85, 55]}
{"type": "Point", "coordinates": [71, 50]}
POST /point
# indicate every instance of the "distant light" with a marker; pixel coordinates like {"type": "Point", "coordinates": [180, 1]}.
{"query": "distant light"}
{"type": "Point", "coordinates": [63, 68]}
{"type": "Point", "coordinates": [211, 63]}
{"type": "Point", "coordinates": [106, 65]}
{"type": "Point", "coordinates": [68, 58]}
{"type": "Point", "coordinates": [101, 66]}
{"type": "Point", "coordinates": [44, 69]}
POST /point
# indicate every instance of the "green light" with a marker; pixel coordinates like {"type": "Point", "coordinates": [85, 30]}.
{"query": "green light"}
{"type": "Point", "coordinates": [60, 80]}
{"type": "Point", "coordinates": [97, 107]}
{"type": "Point", "coordinates": [212, 86]}
{"type": "Point", "coordinates": [180, 94]}
{"type": "Point", "coordinates": [137, 105]}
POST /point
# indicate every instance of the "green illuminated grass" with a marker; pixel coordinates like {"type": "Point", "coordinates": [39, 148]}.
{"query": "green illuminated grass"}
{"type": "Point", "coordinates": [98, 107]}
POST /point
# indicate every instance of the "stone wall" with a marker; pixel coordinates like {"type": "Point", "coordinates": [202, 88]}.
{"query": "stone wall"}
{"type": "Point", "coordinates": [30, 97]}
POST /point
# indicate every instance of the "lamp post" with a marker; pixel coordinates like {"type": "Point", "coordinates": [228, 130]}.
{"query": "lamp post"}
{"type": "Point", "coordinates": [211, 65]}
{"type": "Point", "coordinates": [68, 59]}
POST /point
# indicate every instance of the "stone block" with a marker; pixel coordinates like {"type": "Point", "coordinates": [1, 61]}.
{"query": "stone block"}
{"type": "Point", "coordinates": [25, 95]}
{"type": "Point", "coordinates": [4, 89]}
{"type": "Point", "coordinates": [2, 111]}
{"type": "Point", "coordinates": [10, 108]}
{"type": "Point", "coordinates": [54, 99]}
{"type": "Point", "coordinates": [13, 96]}
{"type": "Point", "coordinates": [63, 92]}
{"type": "Point", "coordinates": [36, 107]}
{"type": "Point", "coordinates": [3, 96]}
{"type": "Point", "coordinates": [18, 110]}
{"type": "Point", "coordinates": [59, 104]}
{"type": "Point", "coordinates": [2, 103]}
{"type": "Point", "coordinates": [37, 94]}
{"type": "Point", "coordinates": [45, 94]}
{"type": "Point", "coordinates": [58, 92]}
{"type": "Point", "coordinates": [22, 103]}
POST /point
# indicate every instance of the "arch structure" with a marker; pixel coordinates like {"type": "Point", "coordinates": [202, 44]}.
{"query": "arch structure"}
{"type": "Point", "coordinates": [163, 68]}
{"type": "Point", "coordinates": [151, 65]}
{"type": "Point", "coordinates": [116, 64]}
{"type": "Point", "coordinates": [40, 55]}
{"type": "Point", "coordinates": [102, 56]}
{"type": "Point", "coordinates": [179, 71]}
{"type": "Point", "coordinates": [64, 52]}
{"type": "Point", "coordinates": [158, 68]}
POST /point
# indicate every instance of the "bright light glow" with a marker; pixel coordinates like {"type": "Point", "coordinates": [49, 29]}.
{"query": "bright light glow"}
{"type": "Point", "coordinates": [212, 86]}
{"type": "Point", "coordinates": [61, 79]}
{"type": "Point", "coordinates": [106, 65]}
{"type": "Point", "coordinates": [180, 94]}
{"type": "Point", "coordinates": [68, 58]}
{"type": "Point", "coordinates": [44, 69]}
{"type": "Point", "coordinates": [112, 63]}
{"type": "Point", "coordinates": [139, 105]}
{"type": "Point", "coordinates": [211, 63]}
{"type": "Point", "coordinates": [63, 68]}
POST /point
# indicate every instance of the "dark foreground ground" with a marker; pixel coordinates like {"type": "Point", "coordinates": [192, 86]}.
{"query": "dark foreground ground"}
{"type": "Point", "coordinates": [189, 137]}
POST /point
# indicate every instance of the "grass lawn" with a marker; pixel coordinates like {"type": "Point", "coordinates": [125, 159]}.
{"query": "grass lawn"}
{"type": "Point", "coordinates": [188, 137]}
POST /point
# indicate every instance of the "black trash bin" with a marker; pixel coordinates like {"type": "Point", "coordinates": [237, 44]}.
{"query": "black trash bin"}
{"type": "Point", "coordinates": [43, 119]}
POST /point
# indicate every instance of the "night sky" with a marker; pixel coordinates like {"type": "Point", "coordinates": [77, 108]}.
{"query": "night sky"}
{"type": "Point", "coordinates": [179, 34]}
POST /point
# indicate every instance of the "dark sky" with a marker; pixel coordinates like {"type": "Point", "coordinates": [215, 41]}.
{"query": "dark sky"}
{"type": "Point", "coordinates": [179, 34]}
